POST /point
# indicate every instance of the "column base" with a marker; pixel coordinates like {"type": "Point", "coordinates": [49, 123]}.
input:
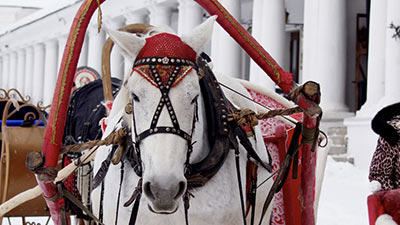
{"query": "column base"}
{"type": "Point", "coordinates": [361, 140]}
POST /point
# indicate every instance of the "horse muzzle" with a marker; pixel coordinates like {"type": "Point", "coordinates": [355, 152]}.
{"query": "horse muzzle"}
{"type": "Point", "coordinates": [164, 198]}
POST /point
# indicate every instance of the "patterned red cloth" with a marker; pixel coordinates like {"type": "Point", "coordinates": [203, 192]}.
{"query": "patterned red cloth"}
{"type": "Point", "coordinates": [165, 72]}
{"type": "Point", "coordinates": [286, 208]}
{"type": "Point", "coordinates": [166, 45]}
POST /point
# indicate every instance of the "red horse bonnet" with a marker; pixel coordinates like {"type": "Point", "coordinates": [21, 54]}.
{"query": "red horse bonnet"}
{"type": "Point", "coordinates": [167, 45]}
{"type": "Point", "coordinates": [168, 55]}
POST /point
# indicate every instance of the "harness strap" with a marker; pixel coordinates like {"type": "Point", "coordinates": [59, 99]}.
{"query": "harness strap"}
{"type": "Point", "coordinates": [167, 130]}
{"type": "Point", "coordinates": [186, 204]}
{"type": "Point", "coordinates": [245, 142]}
{"type": "Point", "coordinates": [135, 210]}
{"type": "Point", "coordinates": [119, 191]}
{"type": "Point", "coordinates": [253, 197]}
{"type": "Point", "coordinates": [64, 193]}
{"type": "Point", "coordinates": [136, 196]}
{"type": "Point", "coordinates": [101, 202]}
{"type": "Point", "coordinates": [164, 101]}
{"type": "Point", "coordinates": [102, 172]}
{"type": "Point", "coordinates": [237, 155]}
{"type": "Point", "coordinates": [170, 61]}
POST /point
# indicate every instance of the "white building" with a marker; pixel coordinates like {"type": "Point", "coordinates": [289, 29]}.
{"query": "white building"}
{"type": "Point", "coordinates": [314, 39]}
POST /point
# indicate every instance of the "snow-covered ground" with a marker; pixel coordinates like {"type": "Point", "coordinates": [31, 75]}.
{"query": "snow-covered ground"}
{"type": "Point", "coordinates": [344, 195]}
{"type": "Point", "coordinates": [343, 198]}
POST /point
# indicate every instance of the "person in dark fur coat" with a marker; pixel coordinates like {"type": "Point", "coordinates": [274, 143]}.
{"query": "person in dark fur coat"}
{"type": "Point", "coordinates": [384, 173]}
{"type": "Point", "coordinates": [385, 165]}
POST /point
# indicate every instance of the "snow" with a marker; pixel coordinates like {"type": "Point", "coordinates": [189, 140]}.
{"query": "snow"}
{"type": "Point", "coordinates": [344, 195]}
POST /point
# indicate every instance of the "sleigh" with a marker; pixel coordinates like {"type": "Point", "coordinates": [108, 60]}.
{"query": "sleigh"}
{"type": "Point", "coordinates": [21, 132]}
{"type": "Point", "coordinates": [277, 134]}
{"type": "Point", "coordinates": [383, 207]}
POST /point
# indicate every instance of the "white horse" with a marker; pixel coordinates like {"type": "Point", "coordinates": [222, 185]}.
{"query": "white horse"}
{"type": "Point", "coordinates": [164, 155]}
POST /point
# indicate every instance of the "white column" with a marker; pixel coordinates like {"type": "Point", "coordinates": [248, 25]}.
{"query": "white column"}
{"type": "Point", "coordinates": [190, 15]}
{"type": "Point", "coordinates": [116, 58]}
{"type": "Point", "coordinates": [1, 71]}
{"type": "Point", "coordinates": [269, 30]}
{"type": "Point", "coordinates": [84, 53]}
{"type": "Point", "coordinates": [132, 17]}
{"type": "Point", "coordinates": [95, 47]}
{"type": "Point", "coordinates": [50, 70]}
{"type": "Point", "coordinates": [28, 82]}
{"type": "Point", "coordinates": [38, 72]}
{"type": "Point", "coordinates": [392, 59]}
{"type": "Point", "coordinates": [225, 52]}
{"type": "Point", "coordinates": [13, 70]}
{"type": "Point", "coordinates": [325, 51]}
{"type": "Point", "coordinates": [5, 72]}
{"type": "Point", "coordinates": [160, 15]}
{"type": "Point", "coordinates": [61, 46]}
{"type": "Point", "coordinates": [20, 71]}
{"type": "Point", "coordinates": [376, 57]}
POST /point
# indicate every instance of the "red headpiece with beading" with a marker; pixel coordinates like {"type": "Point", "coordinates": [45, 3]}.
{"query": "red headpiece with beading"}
{"type": "Point", "coordinates": [167, 45]}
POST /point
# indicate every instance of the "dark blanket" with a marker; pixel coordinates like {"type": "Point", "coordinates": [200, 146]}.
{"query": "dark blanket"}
{"type": "Point", "coordinates": [85, 111]}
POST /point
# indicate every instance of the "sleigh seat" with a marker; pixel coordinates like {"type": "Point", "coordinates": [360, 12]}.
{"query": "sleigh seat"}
{"type": "Point", "coordinates": [21, 132]}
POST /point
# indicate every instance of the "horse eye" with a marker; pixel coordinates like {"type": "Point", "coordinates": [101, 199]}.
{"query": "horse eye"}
{"type": "Point", "coordinates": [135, 97]}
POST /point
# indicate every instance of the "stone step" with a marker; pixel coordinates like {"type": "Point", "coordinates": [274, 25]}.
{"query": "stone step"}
{"type": "Point", "coordinates": [337, 150]}
{"type": "Point", "coordinates": [337, 137]}
{"type": "Point", "coordinates": [338, 140]}
{"type": "Point", "coordinates": [337, 131]}
{"type": "Point", "coordinates": [343, 158]}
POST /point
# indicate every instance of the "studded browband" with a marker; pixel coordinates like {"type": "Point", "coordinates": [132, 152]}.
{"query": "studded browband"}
{"type": "Point", "coordinates": [165, 61]}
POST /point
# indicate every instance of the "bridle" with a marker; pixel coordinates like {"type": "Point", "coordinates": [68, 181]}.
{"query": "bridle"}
{"type": "Point", "coordinates": [164, 101]}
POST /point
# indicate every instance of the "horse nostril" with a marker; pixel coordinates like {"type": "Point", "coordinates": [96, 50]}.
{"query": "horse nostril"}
{"type": "Point", "coordinates": [147, 190]}
{"type": "Point", "coordinates": [181, 190]}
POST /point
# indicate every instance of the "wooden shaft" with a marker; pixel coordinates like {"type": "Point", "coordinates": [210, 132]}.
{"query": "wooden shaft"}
{"type": "Point", "coordinates": [106, 55]}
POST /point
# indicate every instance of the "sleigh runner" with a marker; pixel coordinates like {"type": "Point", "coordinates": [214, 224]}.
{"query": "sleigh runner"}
{"type": "Point", "coordinates": [280, 136]}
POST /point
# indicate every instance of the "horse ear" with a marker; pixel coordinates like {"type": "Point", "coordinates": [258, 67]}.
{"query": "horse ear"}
{"type": "Point", "coordinates": [200, 35]}
{"type": "Point", "coordinates": [130, 44]}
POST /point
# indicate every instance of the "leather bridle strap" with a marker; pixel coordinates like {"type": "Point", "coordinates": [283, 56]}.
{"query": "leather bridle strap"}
{"type": "Point", "coordinates": [167, 130]}
{"type": "Point", "coordinates": [165, 101]}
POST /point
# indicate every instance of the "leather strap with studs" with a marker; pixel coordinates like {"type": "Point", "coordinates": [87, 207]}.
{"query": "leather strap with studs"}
{"type": "Point", "coordinates": [165, 101]}
{"type": "Point", "coordinates": [164, 61]}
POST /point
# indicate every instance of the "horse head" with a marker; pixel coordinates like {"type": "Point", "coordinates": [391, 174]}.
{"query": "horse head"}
{"type": "Point", "coordinates": [163, 90]}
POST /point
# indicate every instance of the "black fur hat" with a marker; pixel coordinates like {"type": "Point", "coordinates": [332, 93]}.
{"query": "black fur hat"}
{"type": "Point", "coordinates": [381, 124]}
